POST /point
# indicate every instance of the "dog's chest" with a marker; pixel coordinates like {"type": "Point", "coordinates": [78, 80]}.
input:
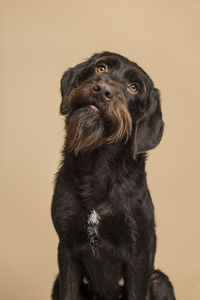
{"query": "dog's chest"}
{"type": "Point", "coordinates": [114, 230]}
{"type": "Point", "coordinates": [93, 235]}
{"type": "Point", "coordinates": [104, 207]}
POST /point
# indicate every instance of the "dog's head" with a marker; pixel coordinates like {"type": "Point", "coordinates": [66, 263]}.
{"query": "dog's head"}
{"type": "Point", "coordinates": [109, 99]}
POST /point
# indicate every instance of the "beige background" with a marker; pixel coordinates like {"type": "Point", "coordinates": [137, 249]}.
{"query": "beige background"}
{"type": "Point", "coordinates": [40, 40]}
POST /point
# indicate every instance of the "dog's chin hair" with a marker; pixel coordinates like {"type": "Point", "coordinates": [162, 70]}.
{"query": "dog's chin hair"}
{"type": "Point", "coordinates": [85, 131]}
{"type": "Point", "coordinates": [118, 122]}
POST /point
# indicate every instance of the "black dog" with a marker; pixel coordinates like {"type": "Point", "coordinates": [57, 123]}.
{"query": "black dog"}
{"type": "Point", "coordinates": [102, 208]}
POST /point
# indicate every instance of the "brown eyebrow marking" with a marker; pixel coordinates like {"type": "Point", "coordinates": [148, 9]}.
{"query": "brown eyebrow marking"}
{"type": "Point", "coordinates": [109, 60]}
{"type": "Point", "coordinates": [105, 57]}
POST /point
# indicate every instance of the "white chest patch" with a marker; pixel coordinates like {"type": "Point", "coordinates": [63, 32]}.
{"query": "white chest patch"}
{"type": "Point", "coordinates": [92, 229]}
{"type": "Point", "coordinates": [94, 218]}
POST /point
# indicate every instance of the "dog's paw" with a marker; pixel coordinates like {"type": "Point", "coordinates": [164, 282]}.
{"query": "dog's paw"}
{"type": "Point", "coordinates": [121, 282]}
{"type": "Point", "coordinates": [85, 280]}
{"type": "Point", "coordinates": [160, 287]}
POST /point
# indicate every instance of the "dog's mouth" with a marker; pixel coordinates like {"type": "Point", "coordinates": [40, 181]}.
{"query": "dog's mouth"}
{"type": "Point", "coordinates": [88, 104]}
{"type": "Point", "coordinates": [90, 107]}
{"type": "Point", "coordinates": [94, 108]}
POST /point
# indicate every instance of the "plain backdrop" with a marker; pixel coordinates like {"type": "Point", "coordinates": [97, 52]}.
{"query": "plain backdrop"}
{"type": "Point", "coordinates": [40, 40]}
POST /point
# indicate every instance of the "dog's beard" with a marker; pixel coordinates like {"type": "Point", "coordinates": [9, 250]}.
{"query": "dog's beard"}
{"type": "Point", "coordinates": [88, 127]}
{"type": "Point", "coordinates": [85, 131]}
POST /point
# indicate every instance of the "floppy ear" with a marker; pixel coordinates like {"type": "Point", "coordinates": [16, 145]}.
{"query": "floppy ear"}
{"type": "Point", "coordinates": [69, 82]}
{"type": "Point", "coordinates": [149, 127]}
{"type": "Point", "coordinates": [67, 85]}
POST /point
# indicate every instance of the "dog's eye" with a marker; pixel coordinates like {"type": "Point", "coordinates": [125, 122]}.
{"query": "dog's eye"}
{"type": "Point", "coordinates": [101, 69]}
{"type": "Point", "coordinates": [133, 88]}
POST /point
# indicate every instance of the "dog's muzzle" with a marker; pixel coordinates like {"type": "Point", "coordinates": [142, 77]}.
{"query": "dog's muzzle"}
{"type": "Point", "coordinates": [97, 114]}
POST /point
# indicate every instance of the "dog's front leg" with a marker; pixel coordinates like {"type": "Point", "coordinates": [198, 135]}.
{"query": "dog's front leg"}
{"type": "Point", "coordinates": [69, 275]}
{"type": "Point", "coordinates": [136, 277]}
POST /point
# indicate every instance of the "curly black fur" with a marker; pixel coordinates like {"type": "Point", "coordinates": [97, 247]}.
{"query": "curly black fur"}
{"type": "Point", "coordinates": [109, 127]}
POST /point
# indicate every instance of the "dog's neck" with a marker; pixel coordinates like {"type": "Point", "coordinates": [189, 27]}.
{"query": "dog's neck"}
{"type": "Point", "coordinates": [115, 153]}
{"type": "Point", "coordinates": [92, 175]}
{"type": "Point", "coordinates": [111, 156]}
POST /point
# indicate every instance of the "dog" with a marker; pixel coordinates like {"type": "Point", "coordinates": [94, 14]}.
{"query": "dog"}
{"type": "Point", "coordinates": [102, 209]}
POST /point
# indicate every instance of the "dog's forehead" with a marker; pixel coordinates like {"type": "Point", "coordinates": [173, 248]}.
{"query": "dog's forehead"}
{"type": "Point", "coordinates": [127, 68]}
{"type": "Point", "coordinates": [115, 60]}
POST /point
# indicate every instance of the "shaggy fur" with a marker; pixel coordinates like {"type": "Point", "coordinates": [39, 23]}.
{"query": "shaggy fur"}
{"type": "Point", "coordinates": [102, 209]}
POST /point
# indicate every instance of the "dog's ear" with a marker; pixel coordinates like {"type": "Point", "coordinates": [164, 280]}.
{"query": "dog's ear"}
{"type": "Point", "coordinates": [69, 82]}
{"type": "Point", "coordinates": [149, 127]}
{"type": "Point", "coordinates": [67, 85]}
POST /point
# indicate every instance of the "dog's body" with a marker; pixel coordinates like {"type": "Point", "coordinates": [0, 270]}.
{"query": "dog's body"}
{"type": "Point", "coordinates": [102, 208]}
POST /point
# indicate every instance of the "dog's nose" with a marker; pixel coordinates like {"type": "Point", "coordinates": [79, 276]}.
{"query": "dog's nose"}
{"type": "Point", "coordinates": [104, 89]}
